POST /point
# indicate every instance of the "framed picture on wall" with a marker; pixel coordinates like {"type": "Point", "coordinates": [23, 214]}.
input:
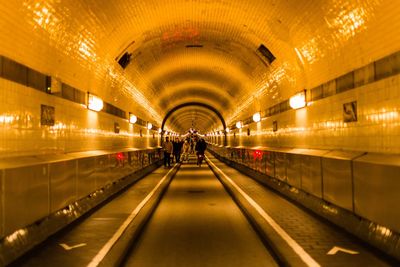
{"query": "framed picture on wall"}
{"type": "Point", "coordinates": [350, 111]}
{"type": "Point", "coordinates": [275, 126]}
{"type": "Point", "coordinates": [47, 115]}
{"type": "Point", "coordinates": [116, 127]}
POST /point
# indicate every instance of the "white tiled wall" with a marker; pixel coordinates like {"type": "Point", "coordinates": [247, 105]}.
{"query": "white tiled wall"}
{"type": "Point", "coordinates": [76, 128]}
{"type": "Point", "coordinates": [313, 41]}
{"type": "Point", "coordinates": [321, 125]}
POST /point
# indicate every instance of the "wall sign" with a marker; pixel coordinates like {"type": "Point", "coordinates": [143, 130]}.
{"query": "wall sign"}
{"type": "Point", "coordinates": [275, 126]}
{"type": "Point", "coordinates": [350, 111]}
{"type": "Point", "coordinates": [47, 114]}
{"type": "Point", "coordinates": [116, 127]}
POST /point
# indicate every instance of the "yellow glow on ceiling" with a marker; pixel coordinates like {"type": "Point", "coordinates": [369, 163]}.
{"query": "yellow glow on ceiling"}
{"type": "Point", "coordinates": [200, 60]}
{"type": "Point", "coordinates": [313, 42]}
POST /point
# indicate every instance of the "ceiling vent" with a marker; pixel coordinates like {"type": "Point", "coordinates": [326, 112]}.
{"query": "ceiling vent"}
{"type": "Point", "coordinates": [124, 60]}
{"type": "Point", "coordinates": [266, 54]}
{"type": "Point", "coordinates": [194, 46]}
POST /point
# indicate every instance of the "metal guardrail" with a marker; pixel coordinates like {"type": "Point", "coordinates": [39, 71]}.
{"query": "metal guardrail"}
{"type": "Point", "coordinates": [35, 187]}
{"type": "Point", "coordinates": [365, 184]}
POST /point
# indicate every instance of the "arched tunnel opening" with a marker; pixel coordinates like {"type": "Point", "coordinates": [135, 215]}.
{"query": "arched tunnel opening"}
{"type": "Point", "coordinates": [194, 104]}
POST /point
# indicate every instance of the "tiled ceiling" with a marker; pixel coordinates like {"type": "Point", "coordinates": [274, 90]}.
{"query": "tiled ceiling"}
{"type": "Point", "coordinates": [196, 117]}
{"type": "Point", "coordinates": [197, 50]}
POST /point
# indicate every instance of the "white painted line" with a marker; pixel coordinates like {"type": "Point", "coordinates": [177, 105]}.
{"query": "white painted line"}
{"type": "Point", "coordinates": [307, 259]}
{"type": "Point", "coordinates": [110, 243]}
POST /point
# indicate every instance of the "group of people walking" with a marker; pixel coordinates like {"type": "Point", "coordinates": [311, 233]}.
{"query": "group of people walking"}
{"type": "Point", "coordinates": [178, 148]}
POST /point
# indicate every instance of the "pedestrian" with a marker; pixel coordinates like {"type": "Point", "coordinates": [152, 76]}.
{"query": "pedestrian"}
{"type": "Point", "coordinates": [185, 151]}
{"type": "Point", "coordinates": [168, 149]}
{"type": "Point", "coordinates": [177, 147]}
{"type": "Point", "coordinates": [201, 146]}
{"type": "Point", "coordinates": [193, 145]}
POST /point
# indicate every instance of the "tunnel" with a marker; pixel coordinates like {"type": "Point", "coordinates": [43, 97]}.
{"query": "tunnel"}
{"type": "Point", "coordinates": [300, 97]}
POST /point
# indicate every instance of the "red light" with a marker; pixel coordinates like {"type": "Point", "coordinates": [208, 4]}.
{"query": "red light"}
{"type": "Point", "coordinates": [257, 154]}
{"type": "Point", "coordinates": [120, 156]}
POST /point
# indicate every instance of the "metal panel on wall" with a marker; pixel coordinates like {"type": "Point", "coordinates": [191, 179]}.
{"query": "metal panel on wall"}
{"type": "Point", "coordinates": [337, 184]}
{"type": "Point", "coordinates": [119, 166]}
{"type": "Point", "coordinates": [26, 196]}
{"type": "Point", "coordinates": [337, 178]}
{"type": "Point", "coordinates": [280, 166]}
{"type": "Point", "coordinates": [86, 177]}
{"type": "Point", "coordinates": [311, 175]}
{"type": "Point", "coordinates": [376, 189]}
{"type": "Point", "coordinates": [293, 170]}
{"type": "Point", "coordinates": [62, 184]}
{"type": "Point", "coordinates": [103, 169]}
{"type": "Point", "coordinates": [270, 163]}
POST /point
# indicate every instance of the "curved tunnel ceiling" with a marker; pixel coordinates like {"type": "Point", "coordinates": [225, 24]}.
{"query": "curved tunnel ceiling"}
{"type": "Point", "coordinates": [198, 118]}
{"type": "Point", "coordinates": [203, 51]}
{"type": "Point", "coordinates": [196, 115]}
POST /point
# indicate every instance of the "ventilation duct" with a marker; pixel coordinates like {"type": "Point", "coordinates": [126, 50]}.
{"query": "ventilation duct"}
{"type": "Point", "coordinates": [124, 60]}
{"type": "Point", "coordinates": [194, 46]}
{"type": "Point", "coordinates": [266, 54]}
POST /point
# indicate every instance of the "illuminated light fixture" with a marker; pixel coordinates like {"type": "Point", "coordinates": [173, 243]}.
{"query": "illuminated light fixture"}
{"type": "Point", "coordinates": [160, 130]}
{"type": "Point", "coordinates": [298, 100]}
{"type": "Point", "coordinates": [94, 103]}
{"type": "Point", "coordinates": [227, 130]}
{"type": "Point", "coordinates": [132, 118]}
{"type": "Point", "coordinates": [239, 125]}
{"type": "Point", "coordinates": [257, 117]}
{"type": "Point", "coordinates": [149, 125]}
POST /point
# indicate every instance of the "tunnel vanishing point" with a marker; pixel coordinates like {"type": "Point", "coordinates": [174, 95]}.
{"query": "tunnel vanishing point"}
{"type": "Point", "coordinates": [310, 87]}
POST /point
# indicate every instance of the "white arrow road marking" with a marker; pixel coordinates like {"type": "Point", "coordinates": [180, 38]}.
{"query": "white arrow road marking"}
{"type": "Point", "coordinates": [66, 247]}
{"type": "Point", "coordinates": [334, 250]}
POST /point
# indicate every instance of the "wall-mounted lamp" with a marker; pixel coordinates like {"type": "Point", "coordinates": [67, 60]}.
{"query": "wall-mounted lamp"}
{"type": "Point", "coordinates": [257, 117]}
{"type": "Point", "coordinates": [239, 125]}
{"type": "Point", "coordinates": [94, 103]}
{"type": "Point", "coordinates": [132, 118]}
{"type": "Point", "coordinates": [227, 130]}
{"type": "Point", "coordinates": [159, 130]}
{"type": "Point", "coordinates": [298, 100]}
{"type": "Point", "coordinates": [149, 125]}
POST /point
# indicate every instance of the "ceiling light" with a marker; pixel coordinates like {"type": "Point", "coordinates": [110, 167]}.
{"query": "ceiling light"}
{"type": "Point", "coordinates": [149, 125]}
{"type": "Point", "coordinates": [239, 124]}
